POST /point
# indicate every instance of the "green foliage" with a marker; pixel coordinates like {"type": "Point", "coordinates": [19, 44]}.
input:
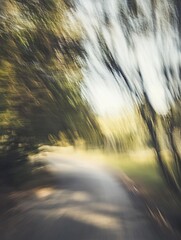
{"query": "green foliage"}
{"type": "Point", "coordinates": [40, 79]}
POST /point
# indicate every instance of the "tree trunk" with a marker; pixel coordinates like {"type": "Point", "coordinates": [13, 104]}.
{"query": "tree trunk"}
{"type": "Point", "coordinates": [150, 122]}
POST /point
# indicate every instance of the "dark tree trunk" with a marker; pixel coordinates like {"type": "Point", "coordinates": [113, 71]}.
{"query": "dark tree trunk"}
{"type": "Point", "coordinates": [151, 122]}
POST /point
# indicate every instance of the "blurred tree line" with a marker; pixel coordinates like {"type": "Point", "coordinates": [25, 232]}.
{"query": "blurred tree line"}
{"type": "Point", "coordinates": [158, 22]}
{"type": "Point", "coordinates": [40, 80]}
{"type": "Point", "coordinates": [123, 133]}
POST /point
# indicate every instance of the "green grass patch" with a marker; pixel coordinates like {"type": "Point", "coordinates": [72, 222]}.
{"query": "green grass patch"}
{"type": "Point", "coordinates": [139, 166]}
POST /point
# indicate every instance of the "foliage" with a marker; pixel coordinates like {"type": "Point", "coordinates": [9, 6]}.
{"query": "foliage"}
{"type": "Point", "coordinates": [159, 25]}
{"type": "Point", "coordinates": [40, 79]}
{"type": "Point", "coordinates": [123, 133]}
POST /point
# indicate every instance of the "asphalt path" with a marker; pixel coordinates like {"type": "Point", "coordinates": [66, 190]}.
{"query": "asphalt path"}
{"type": "Point", "coordinates": [87, 203]}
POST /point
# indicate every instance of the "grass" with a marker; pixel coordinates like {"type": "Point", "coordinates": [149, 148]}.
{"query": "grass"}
{"type": "Point", "coordinates": [141, 168]}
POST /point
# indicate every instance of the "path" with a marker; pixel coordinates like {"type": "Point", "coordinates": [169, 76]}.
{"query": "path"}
{"type": "Point", "coordinates": [86, 204]}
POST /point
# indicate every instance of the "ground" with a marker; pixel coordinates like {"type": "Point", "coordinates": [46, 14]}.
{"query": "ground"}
{"type": "Point", "coordinates": [86, 203]}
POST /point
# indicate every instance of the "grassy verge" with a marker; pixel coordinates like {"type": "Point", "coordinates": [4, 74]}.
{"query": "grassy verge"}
{"type": "Point", "coordinates": [141, 168]}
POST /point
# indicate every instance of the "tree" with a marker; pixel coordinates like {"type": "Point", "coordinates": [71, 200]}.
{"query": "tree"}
{"type": "Point", "coordinates": [40, 79]}
{"type": "Point", "coordinates": [140, 23]}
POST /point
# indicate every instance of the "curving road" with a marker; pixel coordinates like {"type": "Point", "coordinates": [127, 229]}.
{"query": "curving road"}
{"type": "Point", "coordinates": [86, 204]}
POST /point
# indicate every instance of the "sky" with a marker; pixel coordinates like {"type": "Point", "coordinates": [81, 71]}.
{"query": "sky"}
{"type": "Point", "coordinates": [149, 53]}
